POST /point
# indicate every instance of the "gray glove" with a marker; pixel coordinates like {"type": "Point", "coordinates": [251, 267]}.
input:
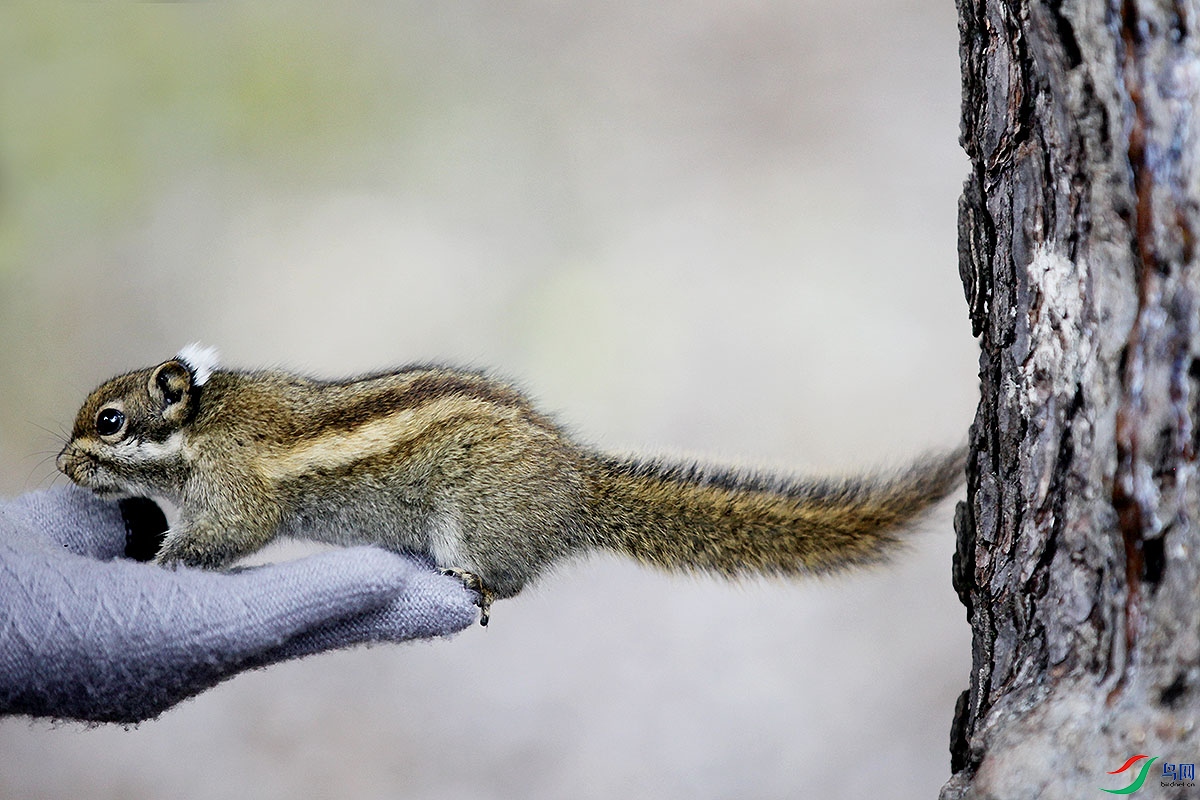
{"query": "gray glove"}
{"type": "Point", "coordinates": [86, 633]}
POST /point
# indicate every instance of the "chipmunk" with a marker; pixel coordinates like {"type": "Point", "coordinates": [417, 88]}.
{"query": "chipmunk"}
{"type": "Point", "coordinates": [460, 467]}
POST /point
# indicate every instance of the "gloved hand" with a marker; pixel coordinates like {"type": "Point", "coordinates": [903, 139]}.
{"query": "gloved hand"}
{"type": "Point", "coordinates": [86, 633]}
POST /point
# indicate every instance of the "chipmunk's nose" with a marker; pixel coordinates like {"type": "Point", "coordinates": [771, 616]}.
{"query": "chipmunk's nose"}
{"type": "Point", "coordinates": [64, 461]}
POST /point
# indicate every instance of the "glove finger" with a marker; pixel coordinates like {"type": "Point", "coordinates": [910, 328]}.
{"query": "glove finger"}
{"type": "Point", "coordinates": [247, 611]}
{"type": "Point", "coordinates": [71, 517]}
{"type": "Point", "coordinates": [431, 604]}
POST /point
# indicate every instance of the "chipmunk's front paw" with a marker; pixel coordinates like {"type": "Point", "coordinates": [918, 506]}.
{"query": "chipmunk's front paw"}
{"type": "Point", "coordinates": [475, 584]}
{"type": "Point", "coordinates": [192, 552]}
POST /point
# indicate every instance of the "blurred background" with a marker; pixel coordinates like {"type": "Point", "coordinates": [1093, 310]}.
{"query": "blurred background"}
{"type": "Point", "coordinates": [720, 229]}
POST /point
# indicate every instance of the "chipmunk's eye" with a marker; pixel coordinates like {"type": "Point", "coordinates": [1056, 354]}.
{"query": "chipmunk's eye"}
{"type": "Point", "coordinates": [110, 421]}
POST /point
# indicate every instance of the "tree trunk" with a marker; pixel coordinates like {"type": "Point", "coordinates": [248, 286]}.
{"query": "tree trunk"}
{"type": "Point", "coordinates": [1078, 546]}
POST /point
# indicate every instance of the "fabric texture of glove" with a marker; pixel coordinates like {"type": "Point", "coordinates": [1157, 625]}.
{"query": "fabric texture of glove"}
{"type": "Point", "coordinates": [88, 634]}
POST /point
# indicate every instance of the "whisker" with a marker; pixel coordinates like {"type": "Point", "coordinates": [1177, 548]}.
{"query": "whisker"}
{"type": "Point", "coordinates": [60, 435]}
{"type": "Point", "coordinates": [52, 474]}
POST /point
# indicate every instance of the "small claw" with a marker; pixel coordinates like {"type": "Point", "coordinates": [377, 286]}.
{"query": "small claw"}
{"type": "Point", "coordinates": [475, 584]}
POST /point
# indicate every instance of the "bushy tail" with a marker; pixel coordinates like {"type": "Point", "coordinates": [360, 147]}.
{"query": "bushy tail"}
{"type": "Point", "coordinates": [691, 518]}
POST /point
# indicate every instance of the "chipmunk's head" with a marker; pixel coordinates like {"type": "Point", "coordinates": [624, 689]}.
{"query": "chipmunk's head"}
{"type": "Point", "coordinates": [128, 437]}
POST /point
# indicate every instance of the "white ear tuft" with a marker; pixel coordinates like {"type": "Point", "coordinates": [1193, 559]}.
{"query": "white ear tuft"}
{"type": "Point", "coordinates": [200, 360]}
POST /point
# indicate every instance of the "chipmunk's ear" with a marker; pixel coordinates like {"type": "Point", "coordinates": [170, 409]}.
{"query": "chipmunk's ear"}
{"type": "Point", "coordinates": [172, 388]}
{"type": "Point", "coordinates": [174, 385]}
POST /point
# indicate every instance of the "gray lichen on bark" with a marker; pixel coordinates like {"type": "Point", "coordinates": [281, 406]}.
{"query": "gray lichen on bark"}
{"type": "Point", "coordinates": [1078, 547]}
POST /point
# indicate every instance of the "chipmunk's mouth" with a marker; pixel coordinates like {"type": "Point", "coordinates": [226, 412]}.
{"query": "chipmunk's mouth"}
{"type": "Point", "coordinates": [73, 464]}
{"type": "Point", "coordinates": [80, 467]}
{"type": "Point", "coordinates": [85, 470]}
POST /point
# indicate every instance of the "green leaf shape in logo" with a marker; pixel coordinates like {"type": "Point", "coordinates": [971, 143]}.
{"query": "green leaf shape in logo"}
{"type": "Point", "coordinates": [1137, 784]}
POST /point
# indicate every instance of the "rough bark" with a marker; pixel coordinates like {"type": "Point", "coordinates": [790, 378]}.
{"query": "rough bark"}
{"type": "Point", "coordinates": [1078, 546]}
